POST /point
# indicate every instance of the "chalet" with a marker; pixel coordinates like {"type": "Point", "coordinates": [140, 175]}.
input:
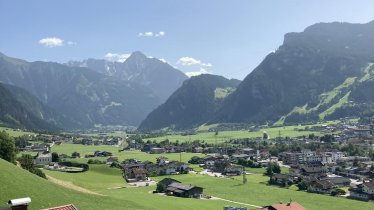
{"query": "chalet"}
{"type": "Point", "coordinates": [364, 191]}
{"type": "Point", "coordinates": [157, 150]}
{"type": "Point", "coordinates": [235, 158]}
{"type": "Point", "coordinates": [136, 174]}
{"type": "Point", "coordinates": [338, 181]}
{"type": "Point", "coordinates": [316, 169]}
{"type": "Point", "coordinates": [40, 147]}
{"type": "Point", "coordinates": [43, 158]}
{"type": "Point", "coordinates": [233, 171]}
{"type": "Point", "coordinates": [162, 161]}
{"type": "Point", "coordinates": [102, 154]}
{"type": "Point", "coordinates": [321, 186]}
{"type": "Point", "coordinates": [288, 206]}
{"type": "Point", "coordinates": [167, 181]}
{"type": "Point", "coordinates": [198, 149]}
{"type": "Point", "coordinates": [187, 191]}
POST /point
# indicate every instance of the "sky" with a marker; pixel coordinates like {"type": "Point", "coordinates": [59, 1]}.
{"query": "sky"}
{"type": "Point", "coordinates": [228, 38]}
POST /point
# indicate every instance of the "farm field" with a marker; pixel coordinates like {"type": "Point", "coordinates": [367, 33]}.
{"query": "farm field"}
{"type": "Point", "coordinates": [222, 136]}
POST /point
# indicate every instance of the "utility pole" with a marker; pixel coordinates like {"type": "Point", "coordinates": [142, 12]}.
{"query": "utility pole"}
{"type": "Point", "coordinates": [244, 176]}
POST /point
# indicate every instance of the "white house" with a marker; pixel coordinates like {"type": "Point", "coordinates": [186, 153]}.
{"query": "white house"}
{"type": "Point", "coordinates": [43, 158]}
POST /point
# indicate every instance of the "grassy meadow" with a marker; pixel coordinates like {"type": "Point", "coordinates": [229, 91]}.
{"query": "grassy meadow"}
{"type": "Point", "coordinates": [107, 181]}
{"type": "Point", "coordinates": [15, 132]}
{"type": "Point", "coordinates": [85, 150]}
{"type": "Point", "coordinates": [222, 136]}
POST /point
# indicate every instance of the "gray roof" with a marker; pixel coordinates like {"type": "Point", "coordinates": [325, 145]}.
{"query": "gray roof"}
{"type": "Point", "coordinates": [181, 186]}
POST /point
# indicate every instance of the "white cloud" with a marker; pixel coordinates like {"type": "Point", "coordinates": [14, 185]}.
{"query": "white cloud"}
{"type": "Point", "coordinates": [163, 60]}
{"type": "Point", "coordinates": [51, 42]}
{"type": "Point", "coordinates": [161, 33]}
{"type": "Point", "coordinates": [117, 57]}
{"type": "Point", "coordinates": [197, 73]}
{"type": "Point", "coordinates": [151, 34]}
{"type": "Point", "coordinates": [207, 65]}
{"type": "Point", "coordinates": [188, 61]}
{"type": "Point", "coordinates": [71, 43]}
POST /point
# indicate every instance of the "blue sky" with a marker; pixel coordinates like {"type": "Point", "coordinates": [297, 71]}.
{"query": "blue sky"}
{"type": "Point", "coordinates": [228, 38]}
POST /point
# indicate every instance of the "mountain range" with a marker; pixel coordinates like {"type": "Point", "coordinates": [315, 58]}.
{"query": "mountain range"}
{"type": "Point", "coordinates": [81, 97]}
{"type": "Point", "coordinates": [195, 102]}
{"type": "Point", "coordinates": [161, 78]}
{"type": "Point", "coordinates": [324, 72]}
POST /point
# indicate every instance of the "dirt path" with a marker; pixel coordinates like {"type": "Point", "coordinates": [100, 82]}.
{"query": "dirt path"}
{"type": "Point", "coordinates": [245, 204]}
{"type": "Point", "coordinates": [70, 185]}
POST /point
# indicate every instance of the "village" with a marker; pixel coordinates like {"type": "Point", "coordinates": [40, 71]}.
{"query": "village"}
{"type": "Point", "coordinates": [337, 163]}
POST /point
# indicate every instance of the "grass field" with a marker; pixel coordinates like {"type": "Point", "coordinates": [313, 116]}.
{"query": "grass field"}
{"type": "Point", "coordinates": [84, 150]}
{"type": "Point", "coordinates": [17, 183]}
{"type": "Point", "coordinates": [255, 192]}
{"type": "Point", "coordinates": [15, 132]}
{"type": "Point", "coordinates": [210, 137]}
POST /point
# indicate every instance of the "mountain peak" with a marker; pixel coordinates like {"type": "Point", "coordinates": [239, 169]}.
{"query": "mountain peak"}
{"type": "Point", "coordinates": [137, 55]}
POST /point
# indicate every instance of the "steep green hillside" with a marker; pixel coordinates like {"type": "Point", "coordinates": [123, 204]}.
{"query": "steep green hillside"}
{"type": "Point", "coordinates": [307, 79]}
{"type": "Point", "coordinates": [192, 104]}
{"type": "Point", "coordinates": [17, 183]}
{"type": "Point", "coordinates": [339, 102]}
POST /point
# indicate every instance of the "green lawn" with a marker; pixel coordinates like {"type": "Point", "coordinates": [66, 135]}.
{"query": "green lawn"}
{"type": "Point", "coordinates": [17, 183]}
{"type": "Point", "coordinates": [84, 150]}
{"type": "Point", "coordinates": [254, 192]}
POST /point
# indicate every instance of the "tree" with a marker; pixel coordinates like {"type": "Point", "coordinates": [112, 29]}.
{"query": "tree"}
{"type": "Point", "coordinates": [302, 185]}
{"type": "Point", "coordinates": [7, 147]}
{"type": "Point", "coordinates": [55, 157]}
{"type": "Point", "coordinates": [27, 162]}
{"type": "Point", "coordinates": [75, 155]}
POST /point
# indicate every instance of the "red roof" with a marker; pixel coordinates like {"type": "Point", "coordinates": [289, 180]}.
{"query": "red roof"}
{"type": "Point", "coordinates": [66, 207]}
{"type": "Point", "coordinates": [286, 206]}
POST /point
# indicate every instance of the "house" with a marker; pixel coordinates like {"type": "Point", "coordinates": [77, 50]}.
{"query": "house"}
{"type": "Point", "coordinates": [233, 171]}
{"type": "Point", "coordinates": [43, 158]}
{"type": "Point", "coordinates": [112, 159]}
{"type": "Point", "coordinates": [313, 169]}
{"type": "Point", "coordinates": [137, 174]}
{"type": "Point", "coordinates": [235, 158]}
{"type": "Point", "coordinates": [368, 188]}
{"type": "Point", "coordinates": [65, 207]}
{"type": "Point", "coordinates": [281, 179]}
{"type": "Point", "coordinates": [198, 150]}
{"type": "Point", "coordinates": [364, 191]}
{"type": "Point", "coordinates": [286, 206]}
{"type": "Point", "coordinates": [167, 181]}
{"type": "Point", "coordinates": [321, 186]}
{"type": "Point", "coordinates": [187, 191]}
{"type": "Point", "coordinates": [157, 150]}
{"type": "Point", "coordinates": [102, 154]}
{"type": "Point", "coordinates": [162, 161]}
{"type": "Point", "coordinates": [40, 147]}
{"type": "Point", "coordinates": [338, 181]}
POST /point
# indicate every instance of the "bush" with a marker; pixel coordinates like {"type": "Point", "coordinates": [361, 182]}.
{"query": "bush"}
{"type": "Point", "coordinates": [95, 161]}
